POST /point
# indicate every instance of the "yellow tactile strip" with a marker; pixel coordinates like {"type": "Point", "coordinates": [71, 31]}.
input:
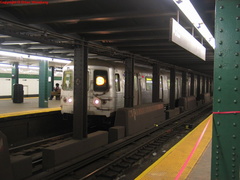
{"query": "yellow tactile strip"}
{"type": "Point", "coordinates": [21, 113]}
{"type": "Point", "coordinates": [169, 165]}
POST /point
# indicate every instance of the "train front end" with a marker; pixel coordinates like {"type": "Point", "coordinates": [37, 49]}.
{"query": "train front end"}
{"type": "Point", "coordinates": [100, 86]}
{"type": "Point", "coordinates": [67, 90]}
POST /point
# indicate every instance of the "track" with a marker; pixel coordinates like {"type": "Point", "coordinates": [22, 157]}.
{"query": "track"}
{"type": "Point", "coordinates": [113, 160]}
{"type": "Point", "coordinates": [28, 128]}
{"type": "Point", "coordinates": [142, 148]}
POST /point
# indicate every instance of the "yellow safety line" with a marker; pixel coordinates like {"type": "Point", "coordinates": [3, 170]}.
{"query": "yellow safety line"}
{"type": "Point", "coordinates": [168, 166]}
{"type": "Point", "coordinates": [23, 98]}
{"type": "Point", "coordinates": [20, 113]}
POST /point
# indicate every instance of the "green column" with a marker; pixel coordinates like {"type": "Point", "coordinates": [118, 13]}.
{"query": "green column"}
{"type": "Point", "coordinates": [226, 123]}
{"type": "Point", "coordinates": [43, 84]}
{"type": "Point", "coordinates": [15, 75]}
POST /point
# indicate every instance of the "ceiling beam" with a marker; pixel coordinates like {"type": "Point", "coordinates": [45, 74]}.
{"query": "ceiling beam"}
{"type": "Point", "coordinates": [35, 3]}
{"type": "Point", "coordinates": [109, 29]}
{"type": "Point", "coordinates": [96, 17]}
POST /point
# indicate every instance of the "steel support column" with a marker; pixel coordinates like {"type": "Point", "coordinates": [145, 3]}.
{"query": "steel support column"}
{"type": "Point", "coordinates": [203, 85]}
{"type": "Point", "coordinates": [172, 88]}
{"type": "Point", "coordinates": [192, 85]}
{"type": "Point", "coordinates": [80, 91]}
{"type": "Point", "coordinates": [156, 83]}
{"type": "Point", "coordinates": [226, 118]}
{"type": "Point", "coordinates": [15, 73]}
{"type": "Point", "coordinates": [184, 84]}
{"type": "Point", "coordinates": [43, 84]}
{"type": "Point", "coordinates": [129, 85]}
{"type": "Point", "coordinates": [198, 86]}
{"type": "Point", "coordinates": [207, 85]}
{"type": "Point", "coordinates": [52, 77]}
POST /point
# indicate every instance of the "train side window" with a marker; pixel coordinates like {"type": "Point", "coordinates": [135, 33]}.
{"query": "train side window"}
{"type": "Point", "coordinates": [148, 81]}
{"type": "Point", "coordinates": [67, 82]}
{"type": "Point", "coordinates": [135, 83]}
{"type": "Point", "coordinates": [117, 82]}
{"type": "Point", "coordinates": [100, 81]}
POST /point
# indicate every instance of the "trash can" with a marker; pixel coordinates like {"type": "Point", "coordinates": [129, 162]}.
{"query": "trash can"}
{"type": "Point", "coordinates": [18, 93]}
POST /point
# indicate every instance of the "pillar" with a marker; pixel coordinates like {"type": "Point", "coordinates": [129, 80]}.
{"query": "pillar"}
{"type": "Point", "coordinates": [80, 90]}
{"type": "Point", "coordinates": [226, 105]}
{"type": "Point", "coordinates": [129, 82]}
{"type": "Point", "coordinates": [192, 85]}
{"type": "Point", "coordinates": [184, 84]}
{"type": "Point", "coordinates": [43, 84]}
{"type": "Point", "coordinates": [156, 83]}
{"type": "Point", "coordinates": [172, 88]}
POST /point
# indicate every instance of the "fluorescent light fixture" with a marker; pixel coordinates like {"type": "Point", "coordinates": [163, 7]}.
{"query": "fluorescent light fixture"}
{"type": "Point", "coordinates": [57, 51]}
{"type": "Point", "coordinates": [190, 12]}
{"type": "Point", "coordinates": [28, 67]}
{"type": "Point", "coordinates": [4, 36]}
{"type": "Point", "coordinates": [44, 47]}
{"type": "Point", "coordinates": [13, 54]}
{"type": "Point", "coordinates": [70, 54]}
{"type": "Point", "coordinates": [64, 61]}
{"type": "Point", "coordinates": [5, 65]}
{"type": "Point", "coordinates": [18, 42]}
{"type": "Point", "coordinates": [40, 58]}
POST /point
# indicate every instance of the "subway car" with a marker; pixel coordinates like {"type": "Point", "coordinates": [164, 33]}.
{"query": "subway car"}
{"type": "Point", "coordinates": [106, 85]}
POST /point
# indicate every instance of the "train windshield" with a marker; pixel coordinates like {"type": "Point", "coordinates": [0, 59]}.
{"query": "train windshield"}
{"type": "Point", "coordinates": [100, 80]}
{"type": "Point", "coordinates": [67, 83]}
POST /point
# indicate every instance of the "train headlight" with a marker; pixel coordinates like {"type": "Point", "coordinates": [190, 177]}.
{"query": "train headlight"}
{"type": "Point", "coordinates": [70, 100]}
{"type": "Point", "coordinates": [96, 102]}
{"type": "Point", "coordinates": [100, 81]}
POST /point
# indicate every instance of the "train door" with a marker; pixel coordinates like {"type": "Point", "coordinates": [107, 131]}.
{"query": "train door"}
{"type": "Point", "coordinates": [119, 86]}
{"type": "Point", "coordinates": [136, 91]}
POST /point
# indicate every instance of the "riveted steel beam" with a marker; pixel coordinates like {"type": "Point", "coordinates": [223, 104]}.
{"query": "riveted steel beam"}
{"type": "Point", "coordinates": [184, 84]}
{"type": "Point", "coordinates": [129, 84]}
{"type": "Point", "coordinates": [156, 84]}
{"type": "Point", "coordinates": [80, 91]}
{"type": "Point", "coordinates": [172, 87]}
{"type": "Point", "coordinates": [43, 85]}
{"type": "Point", "coordinates": [192, 85]}
{"type": "Point", "coordinates": [226, 119]}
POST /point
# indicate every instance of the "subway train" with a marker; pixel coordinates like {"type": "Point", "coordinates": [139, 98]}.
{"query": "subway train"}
{"type": "Point", "coordinates": [28, 77]}
{"type": "Point", "coordinates": [106, 81]}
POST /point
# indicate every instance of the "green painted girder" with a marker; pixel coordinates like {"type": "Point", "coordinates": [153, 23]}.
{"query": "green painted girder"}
{"type": "Point", "coordinates": [226, 126]}
{"type": "Point", "coordinates": [15, 73]}
{"type": "Point", "coordinates": [43, 84]}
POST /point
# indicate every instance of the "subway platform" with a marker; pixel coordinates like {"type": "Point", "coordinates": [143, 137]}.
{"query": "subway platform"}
{"type": "Point", "coordinates": [29, 106]}
{"type": "Point", "coordinates": [190, 159]}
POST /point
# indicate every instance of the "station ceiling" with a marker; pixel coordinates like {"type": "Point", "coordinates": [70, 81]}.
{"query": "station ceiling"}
{"type": "Point", "coordinates": [115, 28]}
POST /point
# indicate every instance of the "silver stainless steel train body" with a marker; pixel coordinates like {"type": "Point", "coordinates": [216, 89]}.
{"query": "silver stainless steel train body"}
{"type": "Point", "coordinates": [106, 85]}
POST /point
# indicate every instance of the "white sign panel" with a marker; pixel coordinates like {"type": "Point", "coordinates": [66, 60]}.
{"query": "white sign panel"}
{"type": "Point", "coordinates": [183, 38]}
